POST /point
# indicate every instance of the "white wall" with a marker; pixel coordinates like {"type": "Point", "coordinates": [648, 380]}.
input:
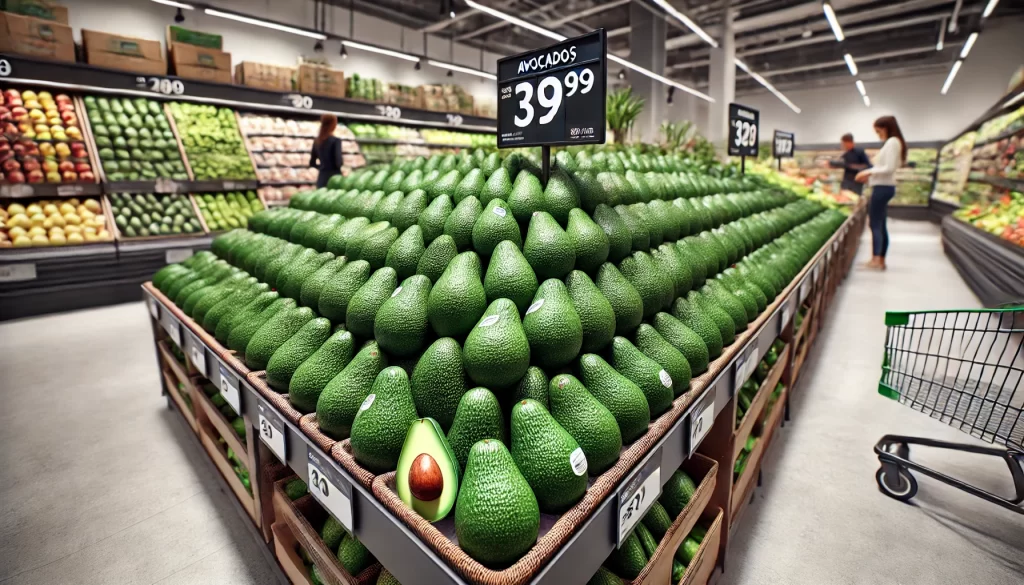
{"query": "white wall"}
{"type": "Point", "coordinates": [145, 19]}
{"type": "Point", "coordinates": [923, 113]}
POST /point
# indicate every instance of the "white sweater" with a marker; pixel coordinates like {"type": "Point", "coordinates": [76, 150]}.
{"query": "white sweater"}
{"type": "Point", "coordinates": [888, 160]}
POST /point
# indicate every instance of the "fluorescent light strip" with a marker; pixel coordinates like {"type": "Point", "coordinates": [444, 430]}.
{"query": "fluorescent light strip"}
{"type": "Point", "coordinates": [374, 49]}
{"type": "Point", "coordinates": [867, 101]}
{"type": "Point", "coordinates": [860, 88]}
{"type": "Point", "coordinates": [850, 63]}
{"type": "Point", "coordinates": [175, 4]}
{"type": "Point", "coordinates": [660, 78]}
{"type": "Point", "coordinates": [265, 24]}
{"type": "Point", "coordinates": [468, 70]}
{"type": "Point", "coordinates": [516, 21]}
{"type": "Point", "coordinates": [952, 76]}
{"type": "Point", "coordinates": [830, 16]}
{"type": "Point", "coordinates": [770, 87]}
{"type": "Point", "coordinates": [686, 22]}
{"type": "Point", "coordinates": [989, 8]}
{"type": "Point", "coordinates": [967, 46]}
{"type": "Point", "coordinates": [558, 37]}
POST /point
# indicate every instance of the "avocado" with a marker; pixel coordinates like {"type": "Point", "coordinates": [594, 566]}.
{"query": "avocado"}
{"type": "Point", "coordinates": [628, 560]}
{"type": "Point", "coordinates": [587, 421]}
{"type": "Point", "coordinates": [459, 223]}
{"type": "Point", "coordinates": [654, 286]}
{"type": "Point", "coordinates": [457, 299]}
{"type": "Point", "coordinates": [296, 350]}
{"type": "Point", "coordinates": [534, 385]}
{"type": "Point", "coordinates": [496, 352]}
{"type": "Point", "coordinates": [385, 208]}
{"type": "Point", "coordinates": [332, 531]}
{"type": "Point", "coordinates": [605, 577]}
{"type": "Point", "coordinates": [340, 400]}
{"type": "Point", "coordinates": [552, 326]}
{"type": "Point", "coordinates": [404, 255]}
{"type": "Point", "coordinates": [497, 518]}
{"type": "Point", "coordinates": [510, 276]}
{"type": "Point", "coordinates": [653, 345]}
{"type": "Point", "coordinates": [621, 397]}
{"type": "Point", "coordinates": [676, 493]}
{"type": "Point", "coordinates": [313, 286]}
{"type": "Point", "coordinates": [657, 520]}
{"type": "Point", "coordinates": [400, 326]}
{"type": "Point", "coordinates": [477, 417]}
{"type": "Point", "coordinates": [647, 374]}
{"type": "Point", "coordinates": [498, 186]}
{"type": "Point", "coordinates": [526, 196]}
{"type": "Point", "coordinates": [438, 381]}
{"type": "Point", "coordinates": [493, 226]}
{"type": "Point", "coordinates": [687, 551]}
{"type": "Point", "coordinates": [597, 318]}
{"type": "Point", "coordinates": [363, 307]}
{"type": "Point", "coordinates": [336, 296]}
{"type": "Point", "coordinates": [548, 457]}
{"type": "Point", "coordinates": [547, 248]}
{"type": "Point", "coordinates": [433, 218]}
{"type": "Point", "coordinates": [622, 296]}
{"type": "Point", "coordinates": [313, 375]}
{"type": "Point", "coordinates": [273, 334]}
{"type": "Point", "coordinates": [588, 239]}
{"type": "Point", "coordinates": [560, 197]}
{"type": "Point", "coordinates": [353, 556]}
{"type": "Point", "coordinates": [427, 476]}
{"type": "Point", "coordinates": [647, 540]}
{"type": "Point", "coordinates": [469, 186]}
{"type": "Point", "coordinates": [700, 322]}
{"type": "Point", "coordinates": [382, 421]}
{"type": "Point", "coordinates": [436, 257]}
{"type": "Point", "coordinates": [408, 211]}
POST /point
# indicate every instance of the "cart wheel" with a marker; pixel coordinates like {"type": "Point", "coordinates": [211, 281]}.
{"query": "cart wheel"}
{"type": "Point", "coordinates": [903, 487]}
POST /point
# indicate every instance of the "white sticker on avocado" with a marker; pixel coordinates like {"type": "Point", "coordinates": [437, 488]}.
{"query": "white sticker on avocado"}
{"type": "Point", "coordinates": [397, 290]}
{"type": "Point", "coordinates": [578, 461]}
{"type": "Point", "coordinates": [499, 211]}
{"type": "Point", "coordinates": [367, 402]}
{"type": "Point", "coordinates": [666, 380]}
{"type": "Point", "coordinates": [489, 320]}
{"type": "Point", "coordinates": [536, 305]}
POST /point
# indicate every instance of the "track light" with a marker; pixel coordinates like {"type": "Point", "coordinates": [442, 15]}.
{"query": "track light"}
{"type": "Point", "coordinates": [686, 22]}
{"type": "Point", "coordinates": [343, 52]}
{"type": "Point", "coordinates": [175, 4]}
{"type": "Point", "coordinates": [951, 77]}
{"type": "Point", "coordinates": [867, 101]}
{"type": "Point", "coordinates": [373, 49]}
{"type": "Point", "coordinates": [850, 63]}
{"type": "Point", "coordinates": [830, 16]}
{"type": "Point", "coordinates": [417, 66]}
{"type": "Point", "coordinates": [450, 73]}
{"type": "Point", "coordinates": [452, 67]}
{"type": "Point", "coordinates": [968, 45]}
{"type": "Point", "coordinates": [179, 16]}
{"type": "Point", "coordinates": [622, 74]}
{"type": "Point", "coordinates": [671, 92]}
{"type": "Point", "coordinates": [768, 86]}
{"type": "Point", "coordinates": [318, 46]}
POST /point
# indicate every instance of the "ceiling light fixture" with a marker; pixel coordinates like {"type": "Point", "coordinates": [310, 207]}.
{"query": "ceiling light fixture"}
{"type": "Point", "coordinates": [951, 77]}
{"type": "Point", "coordinates": [175, 4]}
{"type": "Point", "coordinates": [382, 51]}
{"type": "Point", "coordinates": [344, 52]}
{"type": "Point", "coordinates": [770, 87]}
{"type": "Point", "coordinates": [861, 88]}
{"type": "Point", "coordinates": [671, 92]}
{"type": "Point", "coordinates": [867, 101]}
{"type": "Point", "coordinates": [830, 16]}
{"type": "Point", "coordinates": [686, 22]}
{"type": "Point", "coordinates": [417, 66]}
{"type": "Point", "coordinates": [622, 74]}
{"type": "Point", "coordinates": [850, 63]}
{"type": "Point", "coordinates": [452, 67]}
{"type": "Point", "coordinates": [989, 8]}
{"type": "Point", "coordinates": [558, 37]}
{"type": "Point", "coordinates": [942, 36]}
{"type": "Point", "coordinates": [179, 16]}
{"type": "Point", "coordinates": [968, 45]}
{"type": "Point", "coordinates": [266, 24]}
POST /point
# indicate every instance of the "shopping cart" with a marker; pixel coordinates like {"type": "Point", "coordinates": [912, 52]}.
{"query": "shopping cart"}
{"type": "Point", "coordinates": [964, 368]}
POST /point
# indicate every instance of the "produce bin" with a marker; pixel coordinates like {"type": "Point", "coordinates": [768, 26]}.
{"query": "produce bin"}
{"type": "Point", "coordinates": [764, 392]}
{"type": "Point", "coordinates": [704, 562]}
{"type": "Point", "coordinates": [208, 435]}
{"type": "Point", "coordinates": [287, 551]}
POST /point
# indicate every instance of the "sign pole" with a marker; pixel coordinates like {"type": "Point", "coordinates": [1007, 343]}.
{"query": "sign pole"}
{"type": "Point", "coordinates": [743, 165]}
{"type": "Point", "coordinates": [545, 155]}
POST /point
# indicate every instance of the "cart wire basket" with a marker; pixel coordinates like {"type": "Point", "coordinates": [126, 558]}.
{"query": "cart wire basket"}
{"type": "Point", "coordinates": [966, 369]}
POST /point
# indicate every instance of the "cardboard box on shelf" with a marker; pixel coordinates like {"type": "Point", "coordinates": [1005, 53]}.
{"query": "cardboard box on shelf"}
{"type": "Point", "coordinates": [37, 9]}
{"type": "Point", "coordinates": [263, 76]}
{"type": "Point", "coordinates": [201, 63]}
{"type": "Point", "coordinates": [323, 81]}
{"type": "Point", "coordinates": [121, 52]}
{"type": "Point", "coordinates": [35, 37]}
{"type": "Point", "coordinates": [405, 96]}
{"type": "Point", "coordinates": [176, 34]}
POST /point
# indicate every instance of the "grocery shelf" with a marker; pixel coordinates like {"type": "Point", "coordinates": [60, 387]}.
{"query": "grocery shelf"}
{"type": "Point", "coordinates": [410, 143]}
{"type": "Point", "coordinates": [406, 555]}
{"type": "Point", "coordinates": [129, 245]}
{"type": "Point", "coordinates": [57, 252]}
{"type": "Point", "coordinates": [162, 186]}
{"type": "Point", "coordinates": [91, 79]}
{"type": "Point", "coordinates": [1012, 184]}
{"type": "Point", "coordinates": [26, 190]}
{"type": "Point", "coordinates": [1001, 136]}
{"type": "Point", "coordinates": [991, 266]}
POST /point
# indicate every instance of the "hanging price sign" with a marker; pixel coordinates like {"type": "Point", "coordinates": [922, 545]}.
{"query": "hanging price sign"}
{"type": "Point", "coordinates": [554, 95]}
{"type": "Point", "coordinates": [743, 130]}
{"type": "Point", "coordinates": [328, 487]}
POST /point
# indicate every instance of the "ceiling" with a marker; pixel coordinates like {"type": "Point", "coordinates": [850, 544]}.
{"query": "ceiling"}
{"type": "Point", "coordinates": [789, 42]}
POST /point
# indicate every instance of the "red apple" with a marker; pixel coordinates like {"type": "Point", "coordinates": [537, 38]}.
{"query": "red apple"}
{"type": "Point", "coordinates": [11, 165]}
{"type": "Point", "coordinates": [15, 177]}
{"type": "Point", "coordinates": [20, 149]}
{"type": "Point", "coordinates": [69, 176]}
{"type": "Point", "coordinates": [19, 113]}
{"type": "Point", "coordinates": [36, 176]}
{"type": "Point", "coordinates": [32, 150]}
{"type": "Point", "coordinates": [30, 164]}
{"type": "Point", "coordinates": [82, 167]}
{"type": "Point", "coordinates": [69, 118]}
{"type": "Point", "coordinates": [86, 176]}
{"type": "Point", "coordinates": [5, 146]}
{"type": "Point", "coordinates": [62, 99]}
{"type": "Point", "coordinates": [66, 166]}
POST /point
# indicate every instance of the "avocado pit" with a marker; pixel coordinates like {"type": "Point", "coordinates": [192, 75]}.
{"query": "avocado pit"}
{"type": "Point", "coordinates": [425, 480]}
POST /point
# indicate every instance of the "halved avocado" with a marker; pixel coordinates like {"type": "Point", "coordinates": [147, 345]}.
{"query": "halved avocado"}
{"type": "Point", "coordinates": [427, 477]}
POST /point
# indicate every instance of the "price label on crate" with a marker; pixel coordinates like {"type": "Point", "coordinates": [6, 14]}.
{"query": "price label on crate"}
{"type": "Point", "coordinates": [272, 431]}
{"type": "Point", "coordinates": [636, 497]}
{"type": "Point", "coordinates": [172, 327]}
{"type": "Point", "coordinates": [165, 185]}
{"type": "Point", "coordinates": [835, 245]}
{"type": "Point", "coordinates": [805, 289]}
{"type": "Point", "coordinates": [330, 489]}
{"type": "Point", "coordinates": [154, 307]}
{"type": "Point", "coordinates": [702, 417]}
{"type": "Point", "coordinates": [746, 363]}
{"type": "Point", "coordinates": [196, 352]}
{"type": "Point", "coordinates": [816, 272]}
{"type": "Point", "coordinates": [17, 190]}
{"type": "Point", "coordinates": [787, 314]}
{"type": "Point", "coordinates": [17, 272]}
{"type": "Point", "coordinates": [69, 190]}
{"type": "Point", "coordinates": [229, 388]}
{"type": "Point", "coordinates": [175, 255]}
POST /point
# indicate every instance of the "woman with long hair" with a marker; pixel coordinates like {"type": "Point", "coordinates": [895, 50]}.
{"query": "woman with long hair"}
{"type": "Point", "coordinates": [326, 155]}
{"type": "Point", "coordinates": [882, 179]}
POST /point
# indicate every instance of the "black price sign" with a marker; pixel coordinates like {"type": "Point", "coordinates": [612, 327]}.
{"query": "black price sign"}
{"type": "Point", "coordinates": [554, 95]}
{"type": "Point", "coordinates": [743, 126]}
{"type": "Point", "coordinates": [783, 144]}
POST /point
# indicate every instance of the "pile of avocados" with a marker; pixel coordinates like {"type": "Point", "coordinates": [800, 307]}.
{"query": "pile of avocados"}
{"type": "Point", "coordinates": [134, 139]}
{"type": "Point", "coordinates": [212, 141]}
{"type": "Point", "coordinates": [492, 339]}
{"type": "Point", "coordinates": [148, 215]}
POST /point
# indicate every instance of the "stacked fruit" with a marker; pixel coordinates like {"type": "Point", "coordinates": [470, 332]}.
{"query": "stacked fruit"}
{"type": "Point", "coordinates": [150, 215]}
{"type": "Point", "coordinates": [53, 222]}
{"type": "Point", "coordinates": [41, 140]}
{"type": "Point", "coordinates": [212, 142]}
{"type": "Point", "coordinates": [1004, 218]}
{"type": "Point", "coordinates": [749, 389]}
{"type": "Point", "coordinates": [224, 211]}
{"type": "Point", "coordinates": [480, 292]}
{"type": "Point", "coordinates": [134, 139]}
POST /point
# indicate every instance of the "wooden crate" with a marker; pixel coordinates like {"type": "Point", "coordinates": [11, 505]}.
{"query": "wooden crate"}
{"type": "Point", "coordinates": [209, 432]}
{"type": "Point", "coordinates": [753, 414]}
{"type": "Point", "coordinates": [287, 550]}
{"type": "Point", "coordinates": [659, 567]}
{"type": "Point", "coordinates": [704, 562]}
{"type": "Point", "coordinates": [176, 397]}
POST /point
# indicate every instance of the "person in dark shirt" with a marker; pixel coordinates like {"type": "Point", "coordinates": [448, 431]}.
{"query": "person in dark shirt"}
{"type": "Point", "coordinates": [853, 161]}
{"type": "Point", "coordinates": [326, 155]}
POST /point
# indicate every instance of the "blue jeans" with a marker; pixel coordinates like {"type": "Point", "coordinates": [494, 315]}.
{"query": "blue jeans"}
{"type": "Point", "coordinates": [880, 197]}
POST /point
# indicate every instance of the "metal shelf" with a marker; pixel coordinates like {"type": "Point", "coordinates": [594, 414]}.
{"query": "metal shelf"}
{"type": "Point", "coordinates": [166, 186]}
{"type": "Point", "coordinates": [410, 559]}
{"type": "Point", "coordinates": [25, 190]}
{"type": "Point", "coordinates": [1002, 183]}
{"type": "Point", "coordinates": [57, 252]}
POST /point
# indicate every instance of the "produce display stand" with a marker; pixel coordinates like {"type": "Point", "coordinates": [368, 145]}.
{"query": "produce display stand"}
{"type": "Point", "coordinates": [398, 547]}
{"type": "Point", "coordinates": [991, 266]}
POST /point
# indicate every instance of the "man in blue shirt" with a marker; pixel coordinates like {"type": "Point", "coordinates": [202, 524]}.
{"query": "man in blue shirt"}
{"type": "Point", "coordinates": [853, 161]}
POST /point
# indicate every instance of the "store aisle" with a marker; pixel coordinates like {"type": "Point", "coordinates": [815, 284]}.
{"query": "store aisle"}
{"type": "Point", "coordinates": [100, 482]}
{"type": "Point", "coordinates": [819, 517]}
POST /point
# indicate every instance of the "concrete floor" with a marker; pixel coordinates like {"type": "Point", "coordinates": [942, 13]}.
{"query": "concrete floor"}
{"type": "Point", "coordinates": [101, 484]}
